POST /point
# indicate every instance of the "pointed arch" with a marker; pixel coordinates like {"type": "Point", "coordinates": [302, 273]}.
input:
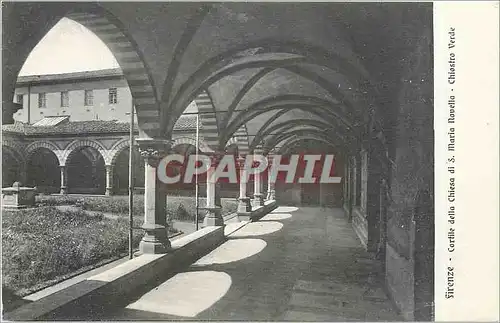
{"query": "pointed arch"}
{"type": "Point", "coordinates": [208, 120]}
{"type": "Point", "coordinates": [107, 27]}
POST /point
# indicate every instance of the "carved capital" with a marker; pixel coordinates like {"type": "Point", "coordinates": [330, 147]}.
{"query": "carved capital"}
{"type": "Point", "coordinates": [153, 150]}
{"type": "Point", "coordinates": [215, 158]}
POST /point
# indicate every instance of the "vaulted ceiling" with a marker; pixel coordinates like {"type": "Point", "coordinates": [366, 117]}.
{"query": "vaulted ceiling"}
{"type": "Point", "coordinates": [285, 71]}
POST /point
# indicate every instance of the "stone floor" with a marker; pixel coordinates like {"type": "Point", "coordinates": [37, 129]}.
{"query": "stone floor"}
{"type": "Point", "coordinates": [301, 264]}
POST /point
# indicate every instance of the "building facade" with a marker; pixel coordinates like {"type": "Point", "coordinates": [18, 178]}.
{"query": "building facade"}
{"type": "Point", "coordinates": [83, 96]}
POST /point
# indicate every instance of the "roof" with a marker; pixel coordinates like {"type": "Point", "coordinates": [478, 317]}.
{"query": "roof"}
{"type": "Point", "coordinates": [49, 126]}
{"type": "Point", "coordinates": [50, 121]}
{"type": "Point", "coordinates": [112, 72]}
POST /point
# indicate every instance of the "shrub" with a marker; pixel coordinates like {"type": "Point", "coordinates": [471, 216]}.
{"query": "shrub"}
{"type": "Point", "coordinates": [42, 244]}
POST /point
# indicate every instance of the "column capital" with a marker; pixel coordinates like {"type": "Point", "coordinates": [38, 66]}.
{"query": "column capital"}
{"type": "Point", "coordinates": [241, 162]}
{"type": "Point", "coordinates": [215, 157]}
{"type": "Point", "coordinates": [153, 150]}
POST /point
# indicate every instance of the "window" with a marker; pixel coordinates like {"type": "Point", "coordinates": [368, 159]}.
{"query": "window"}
{"type": "Point", "coordinates": [64, 99]}
{"type": "Point", "coordinates": [113, 96]}
{"type": "Point", "coordinates": [42, 100]}
{"type": "Point", "coordinates": [19, 98]}
{"type": "Point", "coordinates": [89, 97]}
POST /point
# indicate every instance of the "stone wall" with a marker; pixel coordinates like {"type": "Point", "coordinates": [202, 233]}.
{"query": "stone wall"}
{"type": "Point", "coordinates": [412, 172]}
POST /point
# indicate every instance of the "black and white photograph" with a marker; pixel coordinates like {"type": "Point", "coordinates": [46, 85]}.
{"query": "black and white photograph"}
{"type": "Point", "coordinates": [249, 161]}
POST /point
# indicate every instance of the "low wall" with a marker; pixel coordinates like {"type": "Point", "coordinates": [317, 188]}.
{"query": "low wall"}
{"type": "Point", "coordinates": [116, 287]}
{"type": "Point", "coordinates": [99, 293]}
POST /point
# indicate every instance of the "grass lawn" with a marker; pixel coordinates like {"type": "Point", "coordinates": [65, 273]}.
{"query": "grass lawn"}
{"type": "Point", "coordinates": [181, 208]}
{"type": "Point", "coordinates": [40, 246]}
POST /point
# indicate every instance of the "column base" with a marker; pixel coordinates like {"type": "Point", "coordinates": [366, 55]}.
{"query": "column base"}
{"type": "Point", "coordinates": [155, 240]}
{"type": "Point", "coordinates": [271, 195]}
{"type": "Point", "coordinates": [64, 190]}
{"type": "Point", "coordinates": [258, 200]}
{"type": "Point", "coordinates": [244, 205]}
{"type": "Point", "coordinates": [213, 216]}
{"type": "Point", "coordinates": [109, 191]}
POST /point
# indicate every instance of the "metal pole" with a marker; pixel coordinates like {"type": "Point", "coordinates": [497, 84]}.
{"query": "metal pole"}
{"type": "Point", "coordinates": [197, 187]}
{"type": "Point", "coordinates": [29, 103]}
{"type": "Point", "coordinates": [131, 184]}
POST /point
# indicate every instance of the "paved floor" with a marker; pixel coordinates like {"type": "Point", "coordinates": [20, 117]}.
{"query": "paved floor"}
{"type": "Point", "coordinates": [294, 265]}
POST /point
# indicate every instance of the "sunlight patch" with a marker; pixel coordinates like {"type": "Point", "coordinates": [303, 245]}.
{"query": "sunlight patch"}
{"type": "Point", "coordinates": [186, 294]}
{"type": "Point", "coordinates": [276, 216]}
{"type": "Point", "coordinates": [285, 209]}
{"type": "Point", "coordinates": [257, 229]}
{"type": "Point", "coordinates": [232, 250]}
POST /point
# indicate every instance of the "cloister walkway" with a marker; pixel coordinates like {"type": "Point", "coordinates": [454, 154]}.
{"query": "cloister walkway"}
{"type": "Point", "coordinates": [295, 264]}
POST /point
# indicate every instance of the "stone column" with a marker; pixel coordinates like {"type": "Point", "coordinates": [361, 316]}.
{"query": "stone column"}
{"type": "Point", "coordinates": [64, 179]}
{"type": "Point", "coordinates": [271, 194]}
{"type": "Point", "coordinates": [155, 239]}
{"type": "Point", "coordinates": [109, 180]}
{"type": "Point", "coordinates": [244, 205]}
{"type": "Point", "coordinates": [213, 216]}
{"type": "Point", "coordinates": [258, 197]}
{"type": "Point", "coordinates": [374, 184]}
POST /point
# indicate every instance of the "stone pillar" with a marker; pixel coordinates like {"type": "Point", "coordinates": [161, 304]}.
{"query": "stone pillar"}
{"type": "Point", "coordinates": [244, 205]}
{"type": "Point", "coordinates": [213, 216]}
{"type": "Point", "coordinates": [64, 179]}
{"type": "Point", "coordinates": [373, 187]}
{"type": "Point", "coordinates": [258, 197]}
{"type": "Point", "coordinates": [271, 194]}
{"type": "Point", "coordinates": [155, 239]}
{"type": "Point", "coordinates": [109, 180]}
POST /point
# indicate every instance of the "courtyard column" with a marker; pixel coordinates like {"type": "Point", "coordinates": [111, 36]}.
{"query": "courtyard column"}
{"type": "Point", "coordinates": [271, 193]}
{"type": "Point", "coordinates": [244, 205]}
{"type": "Point", "coordinates": [155, 240]}
{"type": "Point", "coordinates": [258, 197]}
{"type": "Point", "coordinates": [64, 179]}
{"type": "Point", "coordinates": [213, 215]}
{"type": "Point", "coordinates": [109, 180]}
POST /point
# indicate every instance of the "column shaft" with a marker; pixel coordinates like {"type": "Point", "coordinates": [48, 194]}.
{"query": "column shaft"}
{"type": "Point", "coordinates": [64, 178]}
{"type": "Point", "coordinates": [244, 205]}
{"type": "Point", "coordinates": [155, 239]}
{"type": "Point", "coordinates": [213, 216]}
{"type": "Point", "coordinates": [271, 194]}
{"type": "Point", "coordinates": [109, 179]}
{"type": "Point", "coordinates": [258, 197]}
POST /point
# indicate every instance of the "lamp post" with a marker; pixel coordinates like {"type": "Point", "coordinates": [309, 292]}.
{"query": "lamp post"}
{"type": "Point", "coordinates": [131, 185]}
{"type": "Point", "coordinates": [197, 185]}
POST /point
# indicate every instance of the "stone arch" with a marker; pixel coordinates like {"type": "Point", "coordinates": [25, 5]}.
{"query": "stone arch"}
{"type": "Point", "coordinates": [306, 52]}
{"type": "Point", "coordinates": [23, 37]}
{"type": "Point", "coordinates": [291, 141]}
{"type": "Point", "coordinates": [240, 138]}
{"type": "Point", "coordinates": [115, 151]}
{"type": "Point", "coordinates": [43, 159]}
{"type": "Point", "coordinates": [13, 163]}
{"type": "Point", "coordinates": [16, 149]}
{"type": "Point", "coordinates": [204, 147]}
{"type": "Point", "coordinates": [75, 145]}
{"type": "Point", "coordinates": [31, 148]}
{"type": "Point", "coordinates": [113, 34]}
{"type": "Point", "coordinates": [209, 127]}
